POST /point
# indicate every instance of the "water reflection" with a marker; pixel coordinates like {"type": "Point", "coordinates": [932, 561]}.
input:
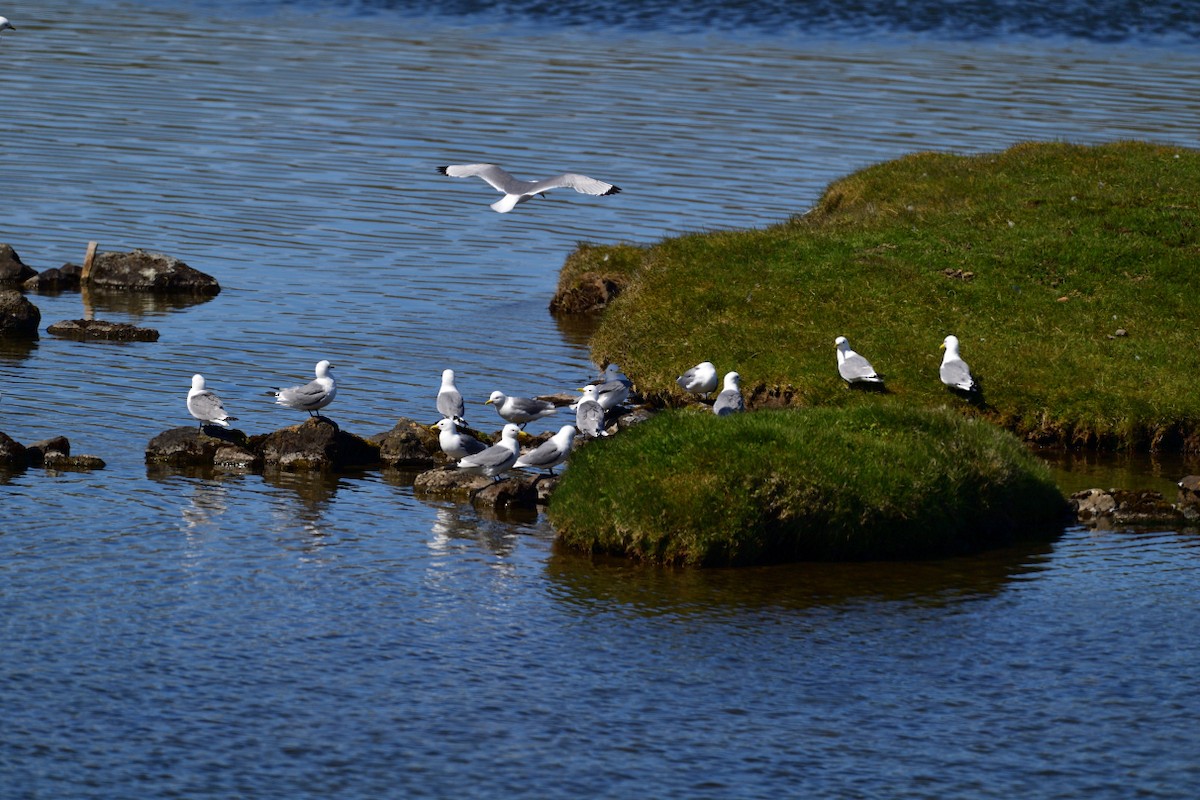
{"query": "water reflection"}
{"type": "Point", "coordinates": [13, 350]}
{"type": "Point", "coordinates": [137, 304]}
{"type": "Point", "coordinates": [1075, 471]}
{"type": "Point", "coordinates": [609, 583]}
{"type": "Point", "coordinates": [496, 532]}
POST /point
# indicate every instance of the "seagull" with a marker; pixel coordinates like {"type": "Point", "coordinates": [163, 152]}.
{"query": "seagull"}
{"type": "Point", "coordinates": [550, 453]}
{"type": "Point", "coordinates": [730, 401]}
{"type": "Point", "coordinates": [589, 415]}
{"type": "Point", "coordinates": [6, 25]}
{"type": "Point", "coordinates": [206, 406]}
{"type": "Point", "coordinates": [518, 191]}
{"type": "Point", "coordinates": [852, 367]}
{"type": "Point", "coordinates": [608, 394]}
{"type": "Point", "coordinates": [312, 396]}
{"type": "Point", "coordinates": [700, 379]}
{"type": "Point", "coordinates": [521, 410]}
{"type": "Point", "coordinates": [496, 459]}
{"type": "Point", "coordinates": [954, 371]}
{"type": "Point", "coordinates": [449, 401]}
{"type": "Point", "coordinates": [455, 444]}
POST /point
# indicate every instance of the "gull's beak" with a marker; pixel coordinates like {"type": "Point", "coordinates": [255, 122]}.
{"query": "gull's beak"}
{"type": "Point", "coordinates": [942, 346]}
{"type": "Point", "coordinates": [434, 428]}
{"type": "Point", "coordinates": [487, 402]}
{"type": "Point", "coordinates": [581, 388]}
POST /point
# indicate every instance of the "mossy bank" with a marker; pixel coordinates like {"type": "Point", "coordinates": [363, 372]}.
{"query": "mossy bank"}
{"type": "Point", "coordinates": [1069, 274]}
{"type": "Point", "coordinates": [804, 484]}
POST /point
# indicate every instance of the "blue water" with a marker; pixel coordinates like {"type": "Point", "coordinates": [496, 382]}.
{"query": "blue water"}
{"type": "Point", "coordinates": [166, 633]}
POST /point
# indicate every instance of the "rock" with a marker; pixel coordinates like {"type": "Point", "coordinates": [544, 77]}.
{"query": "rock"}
{"type": "Point", "coordinates": [638, 415]}
{"type": "Point", "coordinates": [1092, 503]}
{"type": "Point", "coordinates": [192, 446]}
{"type": "Point", "coordinates": [448, 482]}
{"type": "Point", "coordinates": [66, 463]}
{"type": "Point", "coordinates": [545, 486]}
{"type": "Point", "coordinates": [231, 457]}
{"type": "Point", "coordinates": [83, 329]}
{"type": "Point", "coordinates": [1125, 507]}
{"type": "Point", "coordinates": [18, 317]}
{"type": "Point", "coordinates": [142, 270]}
{"type": "Point", "coordinates": [39, 451]}
{"type": "Point", "coordinates": [55, 279]}
{"type": "Point", "coordinates": [589, 292]}
{"type": "Point", "coordinates": [408, 444]}
{"type": "Point", "coordinates": [12, 453]}
{"type": "Point", "coordinates": [317, 444]}
{"type": "Point", "coordinates": [517, 491]}
{"type": "Point", "coordinates": [13, 272]}
{"type": "Point", "coordinates": [1188, 500]}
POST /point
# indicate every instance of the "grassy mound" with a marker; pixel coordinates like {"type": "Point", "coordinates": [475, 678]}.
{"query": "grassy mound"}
{"type": "Point", "coordinates": [1035, 258]}
{"type": "Point", "coordinates": [803, 484]}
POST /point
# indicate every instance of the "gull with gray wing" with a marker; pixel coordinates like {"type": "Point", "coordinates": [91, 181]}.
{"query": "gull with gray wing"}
{"type": "Point", "coordinates": [496, 459]}
{"type": "Point", "coordinates": [517, 191]}
{"type": "Point", "coordinates": [312, 396]}
{"type": "Point", "coordinates": [550, 453]}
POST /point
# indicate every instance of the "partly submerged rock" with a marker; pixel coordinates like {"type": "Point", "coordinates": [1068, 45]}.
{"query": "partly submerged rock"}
{"type": "Point", "coordinates": [66, 463]}
{"type": "Point", "coordinates": [55, 279]}
{"type": "Point", "coordinates": [317, 444]}
{"type": "Point", "coordinates": [84, 329]}
{"type": "Point", "coordinates": [201, 447]}
{"type": "Point", "coordinates": [146, 271]}
{"type": "Point", "coordinates": [515, 491]}
{"type": "Point", "coordinates": [18, 317]}
{"type": "Point", "coordinates": [13, 272]}
{"type": "Point", "coordinates": [12, 453]}
{"type": "Point", "coordinates": [448, 482]}
{"type": "Point", "coordinates": [408, 444]}
{"type": "Point", "coordinates": [1125, 507]}
{"type": "Point", "coordinates": [54, 446]}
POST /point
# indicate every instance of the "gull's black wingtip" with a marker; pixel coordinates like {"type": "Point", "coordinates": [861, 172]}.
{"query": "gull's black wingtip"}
{"type": "Point", "coordinates": [443, 170]}
{"type": "Point", "coordinates": [613, 190]}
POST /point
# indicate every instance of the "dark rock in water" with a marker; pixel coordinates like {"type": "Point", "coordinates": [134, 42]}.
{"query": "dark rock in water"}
{"type": "Point", "coordinates": [101, 329]}
{"type": "Point", "coordinates": [518, 491]}
{"type": "Point", "coordinates": [12, 452]}
{"type": "Point", "coordinates": [408, 444]}
{"type": "Point", "coordinates": [55, 279]}
{"type": "Point", "coordinates": [18, 317]}
{"type": "Point", "coordinates": [145, 271]}
{"type": "Point", "coordinates": [193, 446]}
{"type": "Point", "coordinates": [1124, 507]}
{"type": "Point", "coordinates": [65, 463]}
{"type": "Point", "coordinates": [1189, 497]}
{"type": "Point", "coordinates": [317, 444]}
{"type": "Point", "coordinates": [13, 272]}
{"type": "Point", "coordinates": [448, 482]}
{"type": "Point", "coordinates": [546, 484]}
{"type": "Point", "coordinates": [39, 451]}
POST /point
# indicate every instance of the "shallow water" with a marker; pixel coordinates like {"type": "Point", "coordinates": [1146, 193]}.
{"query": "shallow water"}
{"type": "Point", "coordinates": [170, 634]}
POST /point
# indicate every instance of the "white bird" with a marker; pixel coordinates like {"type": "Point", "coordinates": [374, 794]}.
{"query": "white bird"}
{"type": "Point", "coordinates": [312, 396]}
{"type": "Point", "coordinates": [609, 394]}
{"type": "Point", "coordinates": [206, 406]}
{"type": "Point", "coordinates": [954, 371]}
{"type": "Point", "coordinates": [6, 25]}
{"type": "Point", "coordinates": [496, 459]}
{"type": "Point", "coordinates": [455, 443]}
{"type": "Point", "coordinates": [590, 416]}
{"type": "Point", "coordinates": [700, 379]}
{"type": "Point", "coordinates": [449, 401]}
{"type": "Point", "coordinates": [550, 453]}
{"type": "Point", "coordinates": [852, 367]}
{"type": "Point", "coordinates": [521, 410]}
{"type": "Point", "coordinates": [518, 191]}
{"type": "Point", "coordinates": [730, 401]}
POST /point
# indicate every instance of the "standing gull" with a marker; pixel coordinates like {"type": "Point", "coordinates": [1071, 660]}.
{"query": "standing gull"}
{"type": "Point", "coordinates": [852, 367]}
{"type": "Point", "coordinates": [518, 191]}
{"type": "Point", "coordinates": [730, 401]}
{"type": "Point", "coordinates": [608, 394]}
{"type": "Point", "coordinates": [521, 410]}
{"type": "Point", "coordinates": [550, 453]}
{"type": "Point", "coordinates": [590, 415]}
{"type": "Point", "coordinates": [449, 401]}
{"type": "Point", "coordinates": [455, 444]}
{"type": "Point", "coordinates": [312, 396]}
{"type": "Point", "coordinates": [700, 379]}
{"type": "Point", "coordinates": [496, 459]}
{"type": "Point", "coordinates": [954, 371]}
{"type": "Point", "coordinates": [206, 406]}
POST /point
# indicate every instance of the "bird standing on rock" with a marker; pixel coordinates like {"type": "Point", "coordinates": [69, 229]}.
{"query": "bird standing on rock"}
{"type": "Point", "coordinates": [455, 444]}
{"type": "Point", "coordinates": [520, 410]}
{"type": "Point", "coordinates": [206, 406]}
{"type": "Point", "coordinates": [550, 453]}
{"type": "Point", "coordinates": [496, 459]}
{"type": "Point", "coordinates": [312, 396]}
{"type": "Point", "coordinates": [449, 400]}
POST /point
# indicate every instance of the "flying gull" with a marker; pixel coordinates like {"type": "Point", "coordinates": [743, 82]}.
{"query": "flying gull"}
{"type": "Point", "coordinates": [312, 396]}
{"type": "Point", "coordinates": [518, 191]}
{"type": "Point", "coordinates": [730, 401]}
{"type": "Point", "coordinates": [6, 25]}
{"type": "Point", "coordinates": [521, 410]}
{"type": "Point", "coordinates": [449, 400]}
{"type": "Point", "coordinates": [455, 444]}
{"type": "Point", "coordinates": [550, 453]}
{"type": "Point", "coordinates": [496, 459]}
{"type": "Point", "coordinates": [954, 371]}
{"type": "Point", "coordinates": [700, 379]}
{"type": "Point", "coordinates": [852, 367]}
{"type": "Point", "coordinates": [206, 406]}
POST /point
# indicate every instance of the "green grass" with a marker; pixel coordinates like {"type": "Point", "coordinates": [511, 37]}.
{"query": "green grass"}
{"type": "Point", "coordinates": [803, 484]}
{"type": "Point", "coordinates": [1067, 244]}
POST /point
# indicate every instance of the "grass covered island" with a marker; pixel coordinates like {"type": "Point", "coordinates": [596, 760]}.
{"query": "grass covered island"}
{"type": "Point", "coordinates": [1067, 272]}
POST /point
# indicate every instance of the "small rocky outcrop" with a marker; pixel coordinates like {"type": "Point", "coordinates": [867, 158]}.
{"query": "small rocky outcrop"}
{"type": "Point", "coordinates": [514, 490]}
{"type": "Point", "coordinates": [90, 329]}
{"type": "Point", "coordinates": [450, 483]}
{"type": "Point", "coordinates": [1189, 497]}
{"type": "Point", "coordinates": [1123, 507]}
{"type": "Point", "coordinates": [53, 453]}
{"type": "Point", "coordinates": [12, 453]}
{"type": "Point", "coordinates": [13, 271]}
{"type": "Point", "coordinates": [146, 271]}
{"type": "Point", "coordinates": [202, 447]}
{"type": "Point", "coordinates": [55, 446]}
{"type": "Point", "coordinates": [409, 444]}
{"type": "Point", "coordinates": [317, 444]}
{"type": "Point", "coordinates": [19, 318]}
{"type": "Point", "coordinates": [65, 463]}
{"type": "Point", "coordinates": [55, 279]}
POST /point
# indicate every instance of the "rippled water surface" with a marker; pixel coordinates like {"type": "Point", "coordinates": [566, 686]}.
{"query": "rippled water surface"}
{"type": "Point", "coordinates": [167, 634]}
